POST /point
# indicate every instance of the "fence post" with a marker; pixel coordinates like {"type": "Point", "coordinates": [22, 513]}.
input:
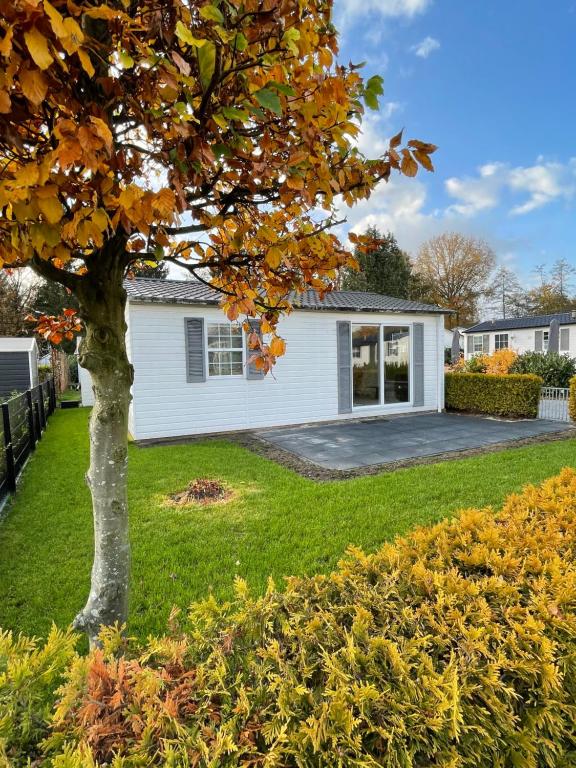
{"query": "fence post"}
{"type": "Point", "coordinates": [52, 395]}
{"type": "Point", "coordinates": [41, 406]}
{"type": "Point", "coordinates": [37, 421]}
{"type": "Point", "coordinates": [9, 451]}
{"type": "Point", "coordinates": [31, 430]}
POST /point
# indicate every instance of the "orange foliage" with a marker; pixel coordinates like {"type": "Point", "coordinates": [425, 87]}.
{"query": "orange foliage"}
{"type": "Point", "coordinates": [241, 111]}
{"type": "Point", "coordinates": [500, 361]}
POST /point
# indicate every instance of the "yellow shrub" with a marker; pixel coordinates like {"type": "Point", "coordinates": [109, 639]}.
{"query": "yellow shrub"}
{"type": "Point", "coordinates": [455, 646]}
{"type": "Point", "coordinates": [500, 362]}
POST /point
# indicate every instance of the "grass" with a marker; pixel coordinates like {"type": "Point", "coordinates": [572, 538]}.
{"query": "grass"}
{"type": "Point", "coordinates": [277, 523]}
{"type": "Point", "coordinates": [70, 394]}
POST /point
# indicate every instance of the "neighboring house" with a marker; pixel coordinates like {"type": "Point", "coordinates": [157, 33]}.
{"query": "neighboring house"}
{"type": "Point", "coordinates": [351, 355]}
{"type": "Point", "coordinates": [522, 334]}
{"type": "Point", "coordinates": [18, 364]}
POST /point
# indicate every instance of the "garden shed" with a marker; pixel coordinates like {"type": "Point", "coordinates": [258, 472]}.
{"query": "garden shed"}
{"type": "Point", "coordinates": [18, 364]}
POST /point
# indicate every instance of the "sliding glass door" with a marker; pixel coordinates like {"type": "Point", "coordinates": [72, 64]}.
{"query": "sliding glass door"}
{"type": "Point", "coordinates": [380, 377]}
{"type": "Point", "coordinates": [366, 364]}
{"type": "Point", "coordinates": [396, 364]}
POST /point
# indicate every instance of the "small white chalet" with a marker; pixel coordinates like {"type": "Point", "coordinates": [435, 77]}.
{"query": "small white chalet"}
{"type": "Point", "coordinates": [522, 334]}
{"type": "Point", "coordinates": [351, 355]}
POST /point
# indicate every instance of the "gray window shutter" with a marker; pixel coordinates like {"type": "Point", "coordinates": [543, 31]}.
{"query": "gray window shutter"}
{"type": "Point", "coordinates": [344, 362]}
{"type": "Point", "coordinates": [418, 362]}
{"type": "Point", "coordinates": [564, 339]}
{"type": "Point", "coordinates": [252, 372]}
{"type": "Point", "coordinates": [195, 357]}
{"type": "Point", "coordinates": [486, 343]}
{"type": "Point", "coordinates": [469, 344]}
{"type": "Point", "coordinates": [538, 340]}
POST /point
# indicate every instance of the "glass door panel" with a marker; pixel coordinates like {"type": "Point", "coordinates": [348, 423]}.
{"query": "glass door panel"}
{"type": "Point", "coordinates": [366, 364]}
{"type": "Point", "coordinates": [396, 364]}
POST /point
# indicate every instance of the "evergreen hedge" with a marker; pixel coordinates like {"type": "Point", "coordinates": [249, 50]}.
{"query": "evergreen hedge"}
{"type": "Point", "coordinates": [453, 647]}
{"type": "Point", "coordinates": [512, 395]}
{"type": "Point", "coordinates": [555, 369]}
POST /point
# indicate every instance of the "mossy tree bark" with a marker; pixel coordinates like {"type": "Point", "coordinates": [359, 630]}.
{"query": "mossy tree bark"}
{"type": "Point", "coordinates": [102, 352]}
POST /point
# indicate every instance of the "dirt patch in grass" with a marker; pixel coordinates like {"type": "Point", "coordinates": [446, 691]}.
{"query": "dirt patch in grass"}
{"type": "Point", "coordinates": [202, 491]}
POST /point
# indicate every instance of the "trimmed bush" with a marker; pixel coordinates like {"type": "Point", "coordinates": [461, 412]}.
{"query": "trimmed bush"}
{"type": "Point", "coordinates": [30, 673]}
{"type": "Point", "coordinates": [455, 646]}
{"type": "Point", "coordinates": [511, 395]}
{"type": "Point", "coordinates": [556, 370]}
{"type": "Point", "coordinates": [572, 399]}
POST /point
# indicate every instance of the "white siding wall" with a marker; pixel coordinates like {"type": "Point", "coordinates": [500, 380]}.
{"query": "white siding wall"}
{"type": "Point", "coordinates": [522, 340]}
{"type": "Point", "coordinates": [302, 387]}
{"type": "Point", "coordinates": [85, 381]}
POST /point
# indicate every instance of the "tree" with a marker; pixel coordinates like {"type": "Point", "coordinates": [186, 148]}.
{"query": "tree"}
{"type": "Point", "coordinates": [456, 270]}
{"type": "Point", "coordinates": [561, 274]}
{"type": "Point", "coordinates": [213, 135]}
{"type": "Point", "coordinates": [17, 293]}
{"type": "Point", "coordinates": [553, 293]}
{"type": "Point", "coordinates": [508, 298]}
{"type": "Point", "coordinates": [383, 267]}
{"type": "Point", "coordinates": [158, 271]}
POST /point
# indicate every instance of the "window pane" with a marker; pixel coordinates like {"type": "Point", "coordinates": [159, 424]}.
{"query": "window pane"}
{"type": "Point", "coordinates": [396, 364]}
{"type": "Point", "coordinates": [366, 364]}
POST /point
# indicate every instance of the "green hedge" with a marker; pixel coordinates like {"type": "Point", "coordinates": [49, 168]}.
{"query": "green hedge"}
{"type": "Point", "coordinates": [452, 648]}
{"type": "Point", "coordinates": [513, 395]}
{"type": "Point", "coordinates": [555, 369]}
{"type": "Point", "coordinates": [572, 399]}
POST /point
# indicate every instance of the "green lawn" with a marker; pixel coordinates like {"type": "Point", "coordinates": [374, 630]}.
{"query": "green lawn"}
{"type": "Point", "coordinates": [278, 524]}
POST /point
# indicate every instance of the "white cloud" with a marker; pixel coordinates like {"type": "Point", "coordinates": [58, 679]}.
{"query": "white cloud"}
{"type": "Point", "coordinates": [387, 8]}
{"type": "Point", "coordinates": [376, 129]}
{"type": "Point", "coordinates": [425, 47]}
{"type": "Point", "coordinates": [542, 183]}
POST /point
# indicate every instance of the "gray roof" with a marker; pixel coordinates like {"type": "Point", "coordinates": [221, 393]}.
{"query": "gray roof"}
{"type": "Point", "coordinates": [531, 321]}
{"type": "Point", "coordinates": [144, 289]}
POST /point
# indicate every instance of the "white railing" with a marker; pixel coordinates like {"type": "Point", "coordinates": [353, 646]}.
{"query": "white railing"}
{"type": "Point", "coordinates": [554, 404]}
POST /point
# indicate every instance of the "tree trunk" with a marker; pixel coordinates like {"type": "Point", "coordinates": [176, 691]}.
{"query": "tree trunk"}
{"type": "Point", "coordinates": [103, 353]}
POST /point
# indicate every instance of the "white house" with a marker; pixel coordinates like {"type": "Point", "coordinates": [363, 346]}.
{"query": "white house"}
{"type": "Point", "coordinates": [351, 355]}
{"type": "Point", "coordinates": [522, 334]}
{"type": "Point", "coordinates": [18, 364]}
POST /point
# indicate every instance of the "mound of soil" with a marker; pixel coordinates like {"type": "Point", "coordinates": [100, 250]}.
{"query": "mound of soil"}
{"type": "Point", "coordinates": [201, 491]}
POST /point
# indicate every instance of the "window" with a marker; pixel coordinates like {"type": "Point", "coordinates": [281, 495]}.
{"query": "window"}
{"type": "Point", "coordinates": [501, 341]}
{"type": "Point", "coordinates": [380, 364]}
{"type": "Point", "coordinates": [564, 339]}
{"type": "Point", "coordinates": [545, 341]}
{"type": "Point", "coordinates": [225, 349]}
{"type": "Point", "coordinates": [478, 344]}
{"type": "Point", "coordinates": [396, 364]}
{"type": "Point", "coordinates": [366, 364]}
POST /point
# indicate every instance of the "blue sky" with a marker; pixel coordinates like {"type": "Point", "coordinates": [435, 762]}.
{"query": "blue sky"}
{"type": "Point", "coordinates": [493, 84]}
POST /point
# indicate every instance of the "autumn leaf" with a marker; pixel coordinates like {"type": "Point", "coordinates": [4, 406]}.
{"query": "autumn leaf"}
{"type": "Point", "coordinates": [38, 47]}
{"type": "Point", "coordinates": [269, 100]}
{"type": "Point", "coordinates": [423, 159]}
{"type": "Point", "coordinates": [409, 166]}
{"type": "Point", "coordinates": [52, 209]}
{"type": "Point", "coordinates": [34, 85]}
{"type": "Point", "coordinates": [184, 34]}
{"type": "Point", "coordinates": [206, 62]}
{"type": "Point", "coordinates": [212, 13]}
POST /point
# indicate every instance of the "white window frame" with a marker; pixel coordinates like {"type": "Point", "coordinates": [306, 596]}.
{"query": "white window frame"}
{"type": "Point", "coordinates": [498, 343]}
{"type": "Point", "coordinates": [381, 402]}
{"type": "Point", "coordinates": [475, 338]}
{"type": "Point", "coordinates": [241, 349]}
{"type": "Point", "coordinates": [545, 340]}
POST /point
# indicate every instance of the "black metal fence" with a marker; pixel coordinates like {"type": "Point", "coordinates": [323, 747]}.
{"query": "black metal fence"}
{"type": "Point", "coordinates": [24, 418]}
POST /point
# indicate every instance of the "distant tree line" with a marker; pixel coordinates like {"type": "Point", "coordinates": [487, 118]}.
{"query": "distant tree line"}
{"type": "Point", "coordinates": [460, 273]}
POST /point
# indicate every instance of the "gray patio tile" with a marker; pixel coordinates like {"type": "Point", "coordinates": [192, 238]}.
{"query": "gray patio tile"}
{"type": "Point", "coordinates": [358, 444]}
